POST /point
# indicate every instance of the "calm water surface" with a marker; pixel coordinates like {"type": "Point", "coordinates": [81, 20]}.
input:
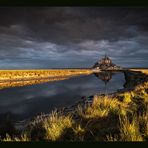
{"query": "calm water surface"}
{"type": "Point", "coordinates": [27, 101]}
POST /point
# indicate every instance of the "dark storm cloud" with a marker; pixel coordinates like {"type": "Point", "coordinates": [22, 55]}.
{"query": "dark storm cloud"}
{"type": "Point", "coordinates": [43, 36]}
{"type": "Point", "coordinates": [65, 24]}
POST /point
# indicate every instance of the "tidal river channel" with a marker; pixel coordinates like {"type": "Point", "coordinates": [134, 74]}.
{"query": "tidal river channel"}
{"type": "Point", "coordinates": [27, 101]}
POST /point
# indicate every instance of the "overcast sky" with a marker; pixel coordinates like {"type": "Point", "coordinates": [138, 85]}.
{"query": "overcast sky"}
{"type": "Point", "coordinates": [67, 37]}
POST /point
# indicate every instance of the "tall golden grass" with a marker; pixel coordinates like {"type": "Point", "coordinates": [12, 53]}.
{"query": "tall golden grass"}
{"type": "Point", "coordinates": [7, 84]}
{"type": "Point", "coordinates": [31, 74]}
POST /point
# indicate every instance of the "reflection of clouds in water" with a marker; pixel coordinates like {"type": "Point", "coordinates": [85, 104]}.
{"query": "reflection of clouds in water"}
{"type": "Point", "coordinates": [48, 92]}
{"type": "Point", "coordinates": [29, 100]}
{"type": "Point", "coordinates": [15, 108]}
{"type": "Point", "coordinates": [28, 97]}
{"type": "Point", "coordinates": [115, 83]}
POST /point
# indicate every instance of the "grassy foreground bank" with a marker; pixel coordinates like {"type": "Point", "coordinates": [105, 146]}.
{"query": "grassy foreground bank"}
{"type": "Point", "coordinates": [41, 73]}
{"type": "Point", "coordinates": [119, 117]}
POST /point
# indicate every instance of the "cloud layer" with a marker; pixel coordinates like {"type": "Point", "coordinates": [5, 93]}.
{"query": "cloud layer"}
{"type": "Point", "coordinates": [52, 37]}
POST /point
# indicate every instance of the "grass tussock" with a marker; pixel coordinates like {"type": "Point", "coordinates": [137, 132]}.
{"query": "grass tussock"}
{"type": "Point", "coordinates": [143, 124]}
{"type": "Point", "coordinates": [55, 125]}
{"type": "Point", "coordinates": [129, 130]}
{"type": "Point", "coordinates": [50, 128]}
{"type": "Point", "coordinates": [101, 107]}
{"type": "Point", "coordinates": [127, 97]}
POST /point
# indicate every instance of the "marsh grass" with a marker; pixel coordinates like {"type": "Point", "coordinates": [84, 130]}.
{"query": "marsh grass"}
{"type": "Point", "coordinates": [40, 73]}
{"type": "Point", "coordinates": [22, 138]}
{"type": "Point", "coordinates": [143, 124]}
{"type": "Point", "coordinates": [129, 130]}
{"type": "Point", "coordinates": [101, 107]}
{"type": "Point", "coordinates": [13, 78]}
{"type": "Point", "coordinates": [135, 126]}
{"type": "Point", "coordinates": [56, 125]}
{"type": "Point", "coordinates": [127, 97]}
{"type": "Point", "coordinates": [50, 128]}
{"type": "Point", "coordinates": [145, 71]}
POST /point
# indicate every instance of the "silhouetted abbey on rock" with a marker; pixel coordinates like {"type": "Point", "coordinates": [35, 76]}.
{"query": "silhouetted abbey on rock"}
{"type": "Point", "coordinates": [106, 64]}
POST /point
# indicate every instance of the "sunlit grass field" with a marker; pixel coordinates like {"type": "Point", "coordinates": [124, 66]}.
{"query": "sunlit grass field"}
{"type": "Point", "coordinates": [145, 71]}
{"type": "Point", "coordinates": [41, 73]}
{"type": "Point", "coordinates": [46, 73]}
{"type": "Point", "coordinates": [8, 84]}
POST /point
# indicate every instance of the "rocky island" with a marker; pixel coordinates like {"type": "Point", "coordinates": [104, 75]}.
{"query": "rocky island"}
{"type": "Point", "coordinates": [106, 64]}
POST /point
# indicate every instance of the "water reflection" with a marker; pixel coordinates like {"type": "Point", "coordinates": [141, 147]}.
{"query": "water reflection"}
{"type": "Point", "coordinates": [132, 79]}
{"type": "Point", "coordinates": [105, 76]}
